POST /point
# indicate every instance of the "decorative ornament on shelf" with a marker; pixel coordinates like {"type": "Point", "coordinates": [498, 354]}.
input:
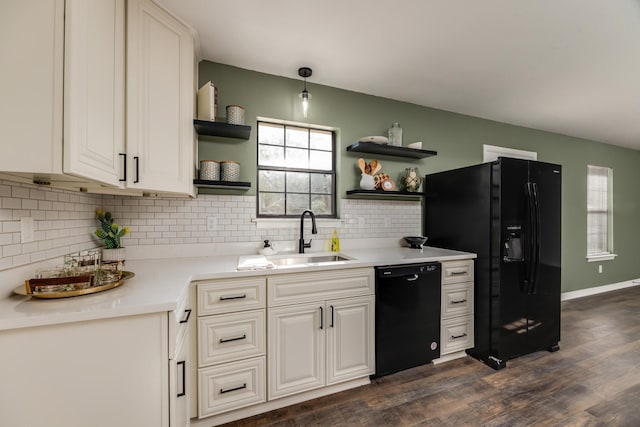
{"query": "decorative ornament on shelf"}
{"type": "Point", "coordinates": [110, 232]}
{"type": "Point", "coordinates": [411, 180]}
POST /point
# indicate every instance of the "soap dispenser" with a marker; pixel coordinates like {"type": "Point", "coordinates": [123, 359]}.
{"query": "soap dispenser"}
{"type": "Point", "coordinates": [335, 242]}
{"type": "Point", "coordinates": [268, 248]}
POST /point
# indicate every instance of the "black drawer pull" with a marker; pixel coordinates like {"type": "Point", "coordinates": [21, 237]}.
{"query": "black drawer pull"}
{"type": "Point", "coordinates": [229, 390]}
{"type": "Point", "coordinates": [186, 319]}
{"type": "Point", "coordinates": [458, 273]}
{"type": "Point", "coordinates": [184, 375]}
{"type": "Point", "coordinates": [124, 156]}
{"type": "Point", "coordinates": [321, 317]}
{"type": "Point", "coordinates": [224, 340]}
{"type": "Point", "coordinates": [455, 337]}
{"type": "Point", "coordinates": [137, 160]}
{"type": "Point", "coordinates": [234, 297]}
{"type": "Point", "coordinates": [459, 302]}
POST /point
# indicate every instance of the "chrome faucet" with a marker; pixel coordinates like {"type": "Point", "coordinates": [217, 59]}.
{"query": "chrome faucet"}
{"type": "Point", "coordinates": [314, 230]}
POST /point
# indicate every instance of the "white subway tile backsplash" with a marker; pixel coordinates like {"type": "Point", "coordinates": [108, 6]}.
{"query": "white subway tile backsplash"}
{"type": "Point", "coordinates": [65, 221]}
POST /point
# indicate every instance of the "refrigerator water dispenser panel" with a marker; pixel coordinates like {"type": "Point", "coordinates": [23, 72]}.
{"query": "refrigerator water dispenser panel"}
{"type": "Point", "coordinates": [513, 244]}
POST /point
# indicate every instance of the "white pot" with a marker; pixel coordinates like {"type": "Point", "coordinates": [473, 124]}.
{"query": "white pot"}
{"type": "Point", "coordinates": [367, 182]}
{"type": "Point", "coordinates": [117, 254]}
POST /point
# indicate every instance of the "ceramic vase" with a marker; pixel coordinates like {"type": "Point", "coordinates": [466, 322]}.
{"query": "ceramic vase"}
{"type": "Point", "coordinates": [367, 182]}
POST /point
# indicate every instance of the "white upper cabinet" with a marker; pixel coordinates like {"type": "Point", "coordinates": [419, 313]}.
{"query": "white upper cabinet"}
{"type": "Point", "coordinates": [160, 100]}
{"type": "Point", "coordinates": [94, 90]}
{"type": "Point", "coordinates": [97, 94]}
{"type": "Point", "coordinates": [31, 60]}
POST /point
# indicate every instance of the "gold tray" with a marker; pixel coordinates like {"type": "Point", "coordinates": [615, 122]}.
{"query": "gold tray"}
{"type": "Point", "coordinates": [21, 290]}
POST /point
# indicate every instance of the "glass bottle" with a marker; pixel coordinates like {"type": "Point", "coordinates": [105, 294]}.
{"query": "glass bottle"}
{"type": "Point", "coordinates": [395, 135]}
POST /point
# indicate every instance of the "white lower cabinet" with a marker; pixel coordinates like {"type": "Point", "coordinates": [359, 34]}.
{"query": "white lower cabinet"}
{"type": "Point", "coordinates": [456, 324]}
{"type": "Point", "coordinates": [231, 344]}
{"type": "Point", "coordinates": [268, 342]}
{"type": "Point", "coordinates": [324, 342]}
{"type": "Point", "coordinates": [318, 344]}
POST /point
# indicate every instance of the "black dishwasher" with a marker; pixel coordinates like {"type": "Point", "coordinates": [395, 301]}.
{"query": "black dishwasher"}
{"type": "Point", "coordinates": [407, 316]}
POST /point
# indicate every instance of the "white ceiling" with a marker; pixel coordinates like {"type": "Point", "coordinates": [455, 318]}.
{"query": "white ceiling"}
{"type": "Point", "coordinates": [564, 66]}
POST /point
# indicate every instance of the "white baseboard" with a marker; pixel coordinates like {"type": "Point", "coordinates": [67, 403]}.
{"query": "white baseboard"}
{"type": "Point", "coordinates": [598, 289]}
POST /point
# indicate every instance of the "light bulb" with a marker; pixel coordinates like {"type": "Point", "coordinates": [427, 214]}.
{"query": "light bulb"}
{"type": "Point", "coordinates": [305, 102]}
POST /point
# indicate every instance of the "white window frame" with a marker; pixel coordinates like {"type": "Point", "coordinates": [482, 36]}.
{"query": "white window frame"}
{"type": "Point", "coordinates": [606, 254]}
{"type": "Point", "coordinates": [491, 153]}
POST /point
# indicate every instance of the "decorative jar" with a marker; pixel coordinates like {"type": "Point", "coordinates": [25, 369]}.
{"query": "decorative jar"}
{"type": "Point", "coordinates": [411, 180]}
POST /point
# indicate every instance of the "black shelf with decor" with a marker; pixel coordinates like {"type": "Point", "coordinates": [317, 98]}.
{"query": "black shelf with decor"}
{"type": "Point", "coordinates": [226, 185]}
{"type": "Point", "coordinates": [390, 150]}
{"type": "Point", "coordinates": [226, 130]}
{"type": "Point", "coordinates": [390, 194]}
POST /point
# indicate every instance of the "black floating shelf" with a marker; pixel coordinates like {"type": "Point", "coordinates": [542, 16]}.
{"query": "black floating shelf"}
{"type": "Point", "coordinates": [226, 130]}
{"type": "Point", "coordinates": [390, 150]}
{"type": "Point", "coordinates": [382, 193]}
{"type": "Point", "coordinates": [227, 185]}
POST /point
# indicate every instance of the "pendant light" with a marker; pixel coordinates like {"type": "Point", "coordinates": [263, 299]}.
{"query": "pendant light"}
{"type": "Point", "coordinates": [305, 72]}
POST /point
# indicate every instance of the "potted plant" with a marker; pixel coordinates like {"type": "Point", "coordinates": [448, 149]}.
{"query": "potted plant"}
{"type": "Point", "coordinates": [110, 232]}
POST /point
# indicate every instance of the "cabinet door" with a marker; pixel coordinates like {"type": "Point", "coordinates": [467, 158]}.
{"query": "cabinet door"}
{"type": "Point", "coordinates": [160, 100]}
{"type": "Point", "coordinates": [94, 89]}
{"type": "Point", "coordinates": [350, 338]}
{"type": "Point", "coordinates": [296, 349]}
{"type": "Point", "coordinates": [31, 60]}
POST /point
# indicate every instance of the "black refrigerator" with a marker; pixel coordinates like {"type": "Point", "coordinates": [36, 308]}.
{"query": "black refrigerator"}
{"type": "Point", "coordinates": [508, 213]}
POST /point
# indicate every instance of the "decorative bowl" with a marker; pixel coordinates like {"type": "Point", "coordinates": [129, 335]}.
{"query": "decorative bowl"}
{"type": "Point", "coordinates": [415, 242]}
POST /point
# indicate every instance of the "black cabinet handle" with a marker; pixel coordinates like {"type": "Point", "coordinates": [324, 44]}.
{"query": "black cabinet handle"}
{"type": "Point", "coordinates": [458, 273]}
{"type": "Point", "coordinates": [332, 310]}
{"type": "Point", "coordinates": [454, 337]}
{"type": "Point", "coordinates": [224, 340]}
{"type": "Point", "coordinates": [137, 160]}
{"type": "Point", "coordinates": [124, 155]}
{"type": "Point", "coordinates": [229, 390]}
{"type": "Point", "coordinates": [233, 297]}
{"type": "Point", "coordinates": [459, 302]}
{"type": "Point", "coordinates": [321, 317]}
{"type": "Point", "coordinates": [184, 375]}
{"type": "Point", "coordinates": [186, 319]}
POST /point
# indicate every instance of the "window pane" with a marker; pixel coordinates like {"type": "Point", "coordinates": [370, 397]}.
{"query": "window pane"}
{"type": "Point", "coordinates": [296, 203]}
{"type": "Point", "coordinates": [598, 213]}
{"type": "Point", "coordinates": [270, 156]}
{"type": "Point", "coordinates": [322, 160]}
{"type": "Point", "coordinates": [270, 134]}
{"type": "Point", "coordinates": [321, 183]}
{"type": "Point", "coordinates": [321, 140]}
{"type": "Point", "coordinates": [271, 204]}
{"type": "Point", "coordinates": [321, 204]}
{"type": "Point", "coordinates": [297, 158]}
{"type": "Point", "coordinates": [271, 181]}
{"type": "Point", "coordinates": [297, 137]}
{"type": "Point", "coordinates": [297, 182]}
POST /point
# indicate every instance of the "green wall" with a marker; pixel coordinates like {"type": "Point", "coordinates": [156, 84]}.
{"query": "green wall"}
{"type": "Point", "coordinates": [457, 138]}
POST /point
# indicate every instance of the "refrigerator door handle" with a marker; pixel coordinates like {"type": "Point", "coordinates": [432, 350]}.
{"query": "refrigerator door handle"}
{"type": "Point", "coordinates": [530, 244]}
{"type": "Point", "coordinates": [536, 238]}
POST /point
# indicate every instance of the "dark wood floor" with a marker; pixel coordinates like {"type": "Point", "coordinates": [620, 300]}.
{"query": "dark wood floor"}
{"type": "Point", "coordinates": [594, 380]}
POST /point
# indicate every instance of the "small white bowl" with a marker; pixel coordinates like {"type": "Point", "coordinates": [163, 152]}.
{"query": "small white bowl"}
{"type": "Point", "coordinates": [416, 145]}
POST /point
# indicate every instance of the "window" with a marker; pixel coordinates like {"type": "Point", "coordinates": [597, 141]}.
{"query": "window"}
{"type": "Point", "coordinates": [599, 215]}
{"type": "Point", "coordinates": [296, 170]}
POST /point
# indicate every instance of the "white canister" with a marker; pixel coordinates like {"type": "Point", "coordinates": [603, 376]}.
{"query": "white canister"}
{"type": "Point", "coordinates": [235, 114]}
{"type": "Point", "coordinates": [210, 170]}
{"type": "Point", "coordinates": [229, 170]}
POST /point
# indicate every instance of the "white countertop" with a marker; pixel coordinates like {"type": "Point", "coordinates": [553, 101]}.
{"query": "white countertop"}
{"type": "Point", "coordinates": [159, 284]}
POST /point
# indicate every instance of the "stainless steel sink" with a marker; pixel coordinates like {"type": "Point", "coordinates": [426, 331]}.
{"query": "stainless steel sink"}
{"type": "Point", "coordinates": [304, 259]}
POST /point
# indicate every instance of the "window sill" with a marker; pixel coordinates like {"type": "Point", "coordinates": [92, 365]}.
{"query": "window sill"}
{"type": "Point", "coordinates": [601, 257]}
{"type": "Point", "coordinates": [294, 223]}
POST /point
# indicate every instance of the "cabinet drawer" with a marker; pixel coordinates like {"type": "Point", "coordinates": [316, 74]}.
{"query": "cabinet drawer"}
{"type": "Point", "coordinates": [228, 295]}
{"type": "Point", "coordinates": [231, 386]}
{"type": "Point", "coordinates": [457, 271]}
{"type": "Point", "coordinates": [457, 299]}
{"type": "Point", "coordinates": [456, 334]}
{"type": "Point", "coordinates": [228, 337]}
{"type": "Point", "coordinates": [320, 285]}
